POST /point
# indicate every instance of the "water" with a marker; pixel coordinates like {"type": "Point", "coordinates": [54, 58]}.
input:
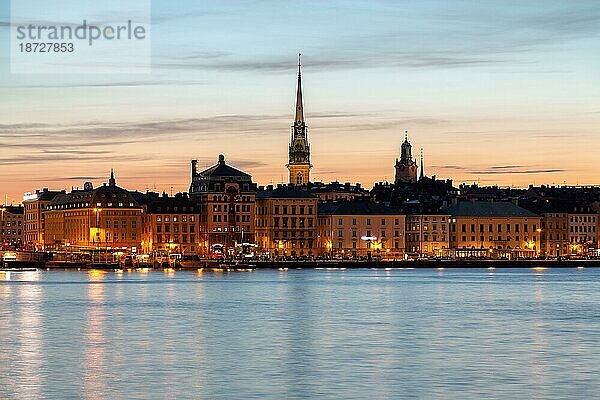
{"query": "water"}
{"type": "Point", "coordinates": [374, 334]}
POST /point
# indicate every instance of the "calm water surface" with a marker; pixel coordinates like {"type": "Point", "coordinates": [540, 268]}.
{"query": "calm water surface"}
{"type": "Point", "coordinates": [301, 334]}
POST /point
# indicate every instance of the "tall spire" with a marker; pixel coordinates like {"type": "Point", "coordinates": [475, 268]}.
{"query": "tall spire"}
{"type": "Point", "coordinates": [422, 168]}
{"type": "Point", "coordinates": [299, 120]}
{"type": "Point", "coordinates": [299, 149]}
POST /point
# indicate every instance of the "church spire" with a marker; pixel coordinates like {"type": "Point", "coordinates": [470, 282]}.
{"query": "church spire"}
{"type": "Point", "coordinates": [299, 120]}
{"type": "Point", "coordinates": [422, 175]}
{"type": "Point", "coordinates": [299, 150]}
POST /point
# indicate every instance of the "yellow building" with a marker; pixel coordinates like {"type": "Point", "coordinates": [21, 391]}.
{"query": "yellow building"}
{"type": "Point", "coordinates": [286, 221]}
{"type": "Point", "coordinates": [360, 228]}
{"type": "Point", "coordinates": [493, 228]}
{"type": "Point", "coordinates": [34, 226]}
{"type": "Point", "coordinates": [107, 217]}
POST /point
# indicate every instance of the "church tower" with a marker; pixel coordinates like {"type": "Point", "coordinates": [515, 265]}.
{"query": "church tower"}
{"type": "Point", "coordinates": [299, 150]}
{"type": "Point", "coordinates": [406, 167]}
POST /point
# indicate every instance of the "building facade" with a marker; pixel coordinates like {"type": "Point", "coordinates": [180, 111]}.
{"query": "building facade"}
{"type": "Point", "coordinates": [226, 198]}
{"type": "Point", "coordinates": [34, 225]}
{"type": "Point", "coordinates": [172, 225]}
{"type": "Point", "coordinates": [104, 218]}
{"type": "Point", "coordinates": [582, 232]}
{"type": "Point", "coordinates": [11, 226]}
{"type": "Point", "coordinates": [360, 228]}
{"type": "Point", "coordinates": [499, 228]}
{"type": "Point", "coordinates": [555, 240]}
{"type": "Point", "coordinates": [286, 221]}
{"type": "Point", "coordinates": [427, 235]}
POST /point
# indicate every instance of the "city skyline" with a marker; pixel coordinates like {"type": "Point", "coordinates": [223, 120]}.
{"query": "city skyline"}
{"type": "Point", "coordinates": [515, 107]}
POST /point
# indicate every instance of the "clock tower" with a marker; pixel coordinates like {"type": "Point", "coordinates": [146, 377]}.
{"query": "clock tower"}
{"type": "Point", "coordinates": [406, 167]}
{"type": "Point", "coordinates": [299, 150]}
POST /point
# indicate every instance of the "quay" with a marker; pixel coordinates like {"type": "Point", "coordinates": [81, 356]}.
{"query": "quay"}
{"type": "Point", "coordinates": [39, 260]}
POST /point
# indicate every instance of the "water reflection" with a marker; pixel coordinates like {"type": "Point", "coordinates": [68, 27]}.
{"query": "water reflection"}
{"type": "Point", "coordinates": [29, 350]}
{"type": "Point", "coordinates": [20, 276]}
{"type": "Point", "coordinates": [301, 334]}
{"type": "Point", "coordinates": [95, 342]}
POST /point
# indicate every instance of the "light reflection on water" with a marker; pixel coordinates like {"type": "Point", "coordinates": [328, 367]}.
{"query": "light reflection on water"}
{"type": "Point", "coordinates": [301, 334]}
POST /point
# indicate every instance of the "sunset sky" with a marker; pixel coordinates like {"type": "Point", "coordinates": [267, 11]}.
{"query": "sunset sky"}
{"type": "Point", "coordinates": [496, 92]}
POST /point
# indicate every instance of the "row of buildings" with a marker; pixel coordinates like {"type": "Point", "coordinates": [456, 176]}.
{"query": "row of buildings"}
{"type": "Point", "coordinates": [226, 212]}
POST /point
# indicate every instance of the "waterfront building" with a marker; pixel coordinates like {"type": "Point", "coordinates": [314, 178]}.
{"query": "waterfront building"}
{"type": "Point", "coordinates": [582, 231]}
{"type": "Point", "coordinates": [34, 225]}
{"type": "Point", "coordinates": [493, 229]}
{"type": "Point", "coordinates": [172, 225]}
{"type": "Point", "coordinates": [427, 234]}
{"type": "Point", "coordinates": [286, 221]}
{"type": "Point", "coordinates": [555, 233]}
{"type": "Point", "coordinates": [107, 217]}
{"type": "Point", "coordinates": [226, 198]}
{"type": "Point", "coordinates": [299, 149]}
{"type": "Point", "coordinates": [11, 226]}
{"type": "Point", "coordinates": [405, 168]}
{"type": "Point", "coordinates": [359, 228]}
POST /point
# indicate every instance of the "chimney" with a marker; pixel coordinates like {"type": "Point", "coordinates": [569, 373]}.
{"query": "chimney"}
{"type": "Point", "coordinates": [194, 167]}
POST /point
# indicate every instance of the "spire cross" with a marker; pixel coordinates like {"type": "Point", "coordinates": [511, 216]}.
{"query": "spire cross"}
{"type": "Point", "coordinates": [299, 119]}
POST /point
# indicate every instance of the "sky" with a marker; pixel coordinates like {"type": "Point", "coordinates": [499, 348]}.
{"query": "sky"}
{"type": "Point", "coordinates": [495, 92]}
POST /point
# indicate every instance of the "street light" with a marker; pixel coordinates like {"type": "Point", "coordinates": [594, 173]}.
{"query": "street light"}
{"type": "Point", "coordinates": [97, 211]}
{"type": "Point", "coordinates": [2, 219]}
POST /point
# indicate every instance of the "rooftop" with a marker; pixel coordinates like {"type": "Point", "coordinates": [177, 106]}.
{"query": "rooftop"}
{"type": "Point", "coordinates": [355, 207]}
{"type": "Point", "coordinates": [488, 209]}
